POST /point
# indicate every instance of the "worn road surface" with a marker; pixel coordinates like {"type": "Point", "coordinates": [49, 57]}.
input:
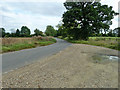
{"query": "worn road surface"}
{"type": "Point", "coordinates": [73, 67]}
{"type": "Point", "coordinates": [13, 60]}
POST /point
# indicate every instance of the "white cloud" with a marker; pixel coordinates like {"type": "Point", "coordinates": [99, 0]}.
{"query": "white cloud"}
{"type": "Point", "coordinates": [32, 21]}
{"type": "Point", "coordinates": [33, 1]}
{"type": "Point", "coordinates": [38, 13]}
{"type": "Point", "coordinates": [33, 15]}
{"type": "Point", "coordinates": [114, 4]}
{"type": "Point", "coordinates": [115, 23]}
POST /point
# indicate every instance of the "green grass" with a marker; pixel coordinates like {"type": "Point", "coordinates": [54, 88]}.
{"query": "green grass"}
{"type": "Point", "coordinates": [108, 42]}
{"type": "Point", "coordinates": [25, 45]}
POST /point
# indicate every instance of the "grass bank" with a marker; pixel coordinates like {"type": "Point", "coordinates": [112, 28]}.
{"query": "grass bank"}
{"type": "Point", "coordinates": [108, 42]}
{"type": "Point", "coordinates": [15, 44]}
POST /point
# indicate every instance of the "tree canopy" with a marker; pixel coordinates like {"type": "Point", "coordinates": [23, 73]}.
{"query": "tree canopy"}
{"type": "Point", "coordinates": [17, 33]}
{"type": "Point", "coordinates": [50, 31]}
{"type": "Point", "coordinates": [38, 32]}
{"type": "Point", "coordinates": [117, 31]}
{"type": "Point", "coordinates": [61, 30]}
{"type": "Point", "coordinates": [25, 31]}
{"type": "Point", "coordinates": [85, 18]}
{"type": "Point", "coordinates": [2, 32]}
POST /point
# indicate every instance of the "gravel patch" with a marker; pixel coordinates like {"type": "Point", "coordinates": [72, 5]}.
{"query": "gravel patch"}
{"type": "Point", "coordinates": [71, 68]}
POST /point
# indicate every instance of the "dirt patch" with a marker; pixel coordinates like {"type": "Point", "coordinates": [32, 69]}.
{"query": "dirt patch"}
{"type": "Point", "coordinates": [70, 68]}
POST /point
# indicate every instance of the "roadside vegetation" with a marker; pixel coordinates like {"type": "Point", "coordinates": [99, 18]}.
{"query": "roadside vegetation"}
{"type": "Point", "coordinates": [15, 44]}
{"type": "Point", "coordinates": [110, 42]}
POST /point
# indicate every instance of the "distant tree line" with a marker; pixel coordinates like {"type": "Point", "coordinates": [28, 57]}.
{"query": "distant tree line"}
{"type": "Point", "coordinates": [50, 31]}
{"type": "Point", "coordinates": [25, 32]}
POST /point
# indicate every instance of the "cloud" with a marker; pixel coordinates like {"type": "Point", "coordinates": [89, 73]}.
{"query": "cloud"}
{"type": "Point", "coordinates": [33, 1]}
{"type": "Point", "coordinates": [115, 5]}
{"type": "Point", "coordinates": [37, 21]}
{"type": "Point", "coordinates": [111, 3]}
{"type": "Point", "coordinates": [42, 8]}
{"type": "Point", "coordinates": [115, 23]}
{"type": "Point", "coordinates": [34, 15]}
{"type": "Point", "coordinates": [37, 13]}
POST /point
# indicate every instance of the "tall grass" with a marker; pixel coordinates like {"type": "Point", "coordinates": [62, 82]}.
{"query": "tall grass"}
{"type": "Point", "coordinates": [108, 42]}
{"type": "Point", "coordinates": [104, 38]}
{"type": "Point", "coordinates": [10, 41]}
{"type": "Point", "coordinates": [15, 44]}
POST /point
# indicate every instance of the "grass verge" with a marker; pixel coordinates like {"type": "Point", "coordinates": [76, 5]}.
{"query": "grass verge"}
{"type": "Point", "coordinates": [26, 45]}
{"type": "Point", "coordinates": [103, 42]}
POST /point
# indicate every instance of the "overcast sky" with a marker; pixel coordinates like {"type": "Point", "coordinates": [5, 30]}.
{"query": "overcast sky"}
{"type": "Point", "coordinates": [37, 13]}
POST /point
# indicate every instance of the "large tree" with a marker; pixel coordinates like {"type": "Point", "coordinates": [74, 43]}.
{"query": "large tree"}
{"type": "Point", "coordinates": [85, 18]}
{"type": "Point", "coordinates": [50, 31]}
{"type": "Point", "coordinates": [25, 31]}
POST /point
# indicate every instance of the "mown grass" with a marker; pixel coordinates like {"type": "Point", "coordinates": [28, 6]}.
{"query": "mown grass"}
{"type": "Point", "coordinates": [26, 44]}
{"type": "Point", "coordinates": [108, 42]}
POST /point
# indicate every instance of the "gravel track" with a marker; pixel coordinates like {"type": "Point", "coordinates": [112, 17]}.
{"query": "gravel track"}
{"type": "Point", "coordinates": [71, 68]}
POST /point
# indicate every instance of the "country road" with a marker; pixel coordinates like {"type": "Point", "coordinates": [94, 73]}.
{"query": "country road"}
{"type": "Point", "coordinates": [13, 60]}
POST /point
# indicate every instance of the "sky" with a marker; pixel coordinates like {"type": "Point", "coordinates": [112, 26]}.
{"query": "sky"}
{"type": "Point", "coordinates": [38, 13]}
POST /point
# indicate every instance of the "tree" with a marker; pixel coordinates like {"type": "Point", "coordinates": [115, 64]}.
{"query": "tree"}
{"type": "Point", "coordinates": [41, 33]}
{"type": "Point", "coordinates": [17, 33]}
{"type": "Point", "coordinates": [2, 32]}
{"type": "Point", "coordinates": [116, 31]}
{"type": "Point", "coordinates": [50, 31]}
{"type": "Point", "coordinates": [110, 33]}
{"type": "Point", "coordinates": [7, 34]}
{"type": "Point", "coordinates": [25, 31]}
{"type": "Point", "coordinates": [85, 18]}
{"type": "Point", "coordinates": [13, 35]}
{"type": "Point", "coordinates": [61, 30]}
{"type": "Point", "coordinates": [38, 32]}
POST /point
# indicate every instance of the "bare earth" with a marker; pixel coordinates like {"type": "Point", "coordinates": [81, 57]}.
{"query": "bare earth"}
{"type": "Point", "coordinates": [73, 67]}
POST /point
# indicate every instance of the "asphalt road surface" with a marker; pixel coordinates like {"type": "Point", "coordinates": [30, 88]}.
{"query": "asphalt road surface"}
{"type": "Point", "coordinates": [17, 59]}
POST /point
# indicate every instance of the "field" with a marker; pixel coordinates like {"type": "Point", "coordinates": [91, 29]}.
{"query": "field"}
{"type": "Point", "coordinates": [108, 42]}
{"type": "Point", "coordinates": [15, 44]}
{"type": "Point", "coordinates": [104, 38]}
